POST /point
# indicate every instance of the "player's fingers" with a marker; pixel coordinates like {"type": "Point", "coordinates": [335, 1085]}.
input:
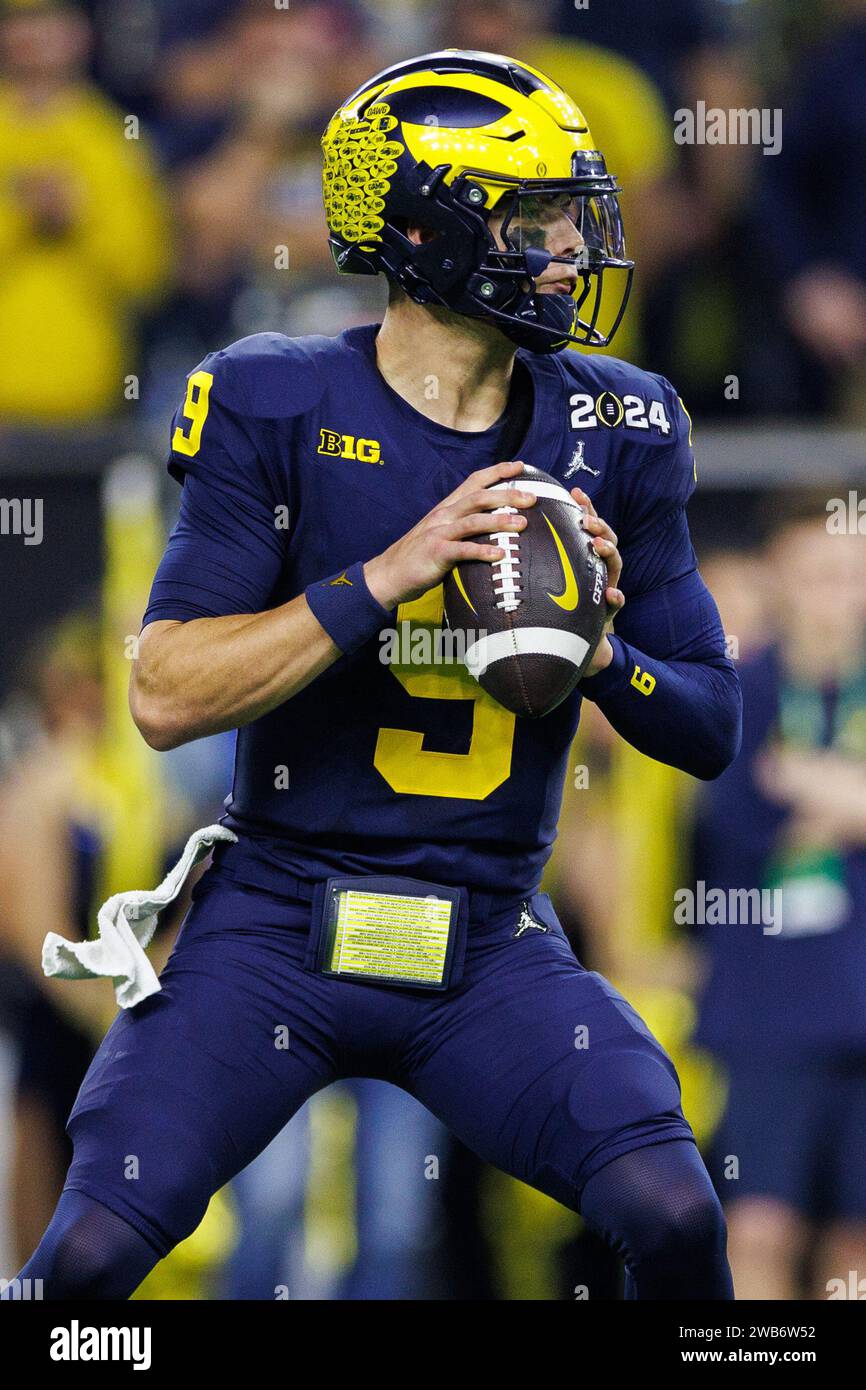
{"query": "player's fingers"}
{"type": "Point", "coordinates": [596, 527]}
{"type": "Point", "coordinates": [495, 498]}
{"type": "Point", "coordinates": [580, 496]}
{"type": "Point", "coordinates": [483, 477]}
{"type": "Point", "coordinates": [461, 551]}
{"type": "Point", "coordinates": [482, 523]}
{"type": "Point", "coordinates": [611, 556]}
{"type": "Point", "coordinates": [489, 500]}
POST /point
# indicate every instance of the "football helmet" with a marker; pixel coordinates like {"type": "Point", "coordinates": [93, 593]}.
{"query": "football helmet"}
{"type": "Point", "coordinates": [496, 165]}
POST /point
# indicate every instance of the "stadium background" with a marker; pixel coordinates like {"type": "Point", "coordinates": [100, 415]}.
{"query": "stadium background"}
{"type": "Point", "coordinates": [159, 197]}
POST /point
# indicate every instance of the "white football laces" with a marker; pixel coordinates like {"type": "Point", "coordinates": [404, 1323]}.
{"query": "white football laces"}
{"type": "Point", "coordinates": [506, 572]}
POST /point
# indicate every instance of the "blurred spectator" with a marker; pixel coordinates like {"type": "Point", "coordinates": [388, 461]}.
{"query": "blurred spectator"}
{"type": "Point", "coordinates": [735, 578]}
{"type": "Point", "coordinates": [253, 242]}
{"type": "Point", "coordinates": [691, 50]}
{"type": "Point", "coordinates": [399, 1149]}
{"type": "Point", "coordinates": [278, 69]}
{"type": "Point", "coordinates": [50, 833]}
{"type": "Point", "coordinates": [58, 805]}
{"type": "Point", "coordinates": [130, 39]}
{"type": "Point", "coordinates": [400, 28]}
{"type": "Point", "coordinates": [784, 1005]}
{"type": "Point", "coordinates": [812, 212]}
{"type": "Point", "coordinates": [83, 234]}
{"type": "Point", "coordinates": [672, 42]}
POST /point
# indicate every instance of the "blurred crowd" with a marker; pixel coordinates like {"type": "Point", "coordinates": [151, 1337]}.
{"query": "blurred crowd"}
{"type": "Point", "coordinates": [160, 185]}
{"type": "Point", "coordinates": [159, 197]}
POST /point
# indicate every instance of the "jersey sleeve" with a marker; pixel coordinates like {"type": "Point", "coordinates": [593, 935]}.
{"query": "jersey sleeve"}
{"type": "Point", "coordinates": [655, 487]}
{"type": "Point", "coordinates": [227, 548]}
{"type": "Point", "coordinates": [670, 689]}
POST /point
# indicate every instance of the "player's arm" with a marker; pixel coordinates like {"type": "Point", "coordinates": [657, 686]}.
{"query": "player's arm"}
{"type": "Point", "coordinates": [199, 677]}
{"type": "Point", "coordinates": [669, 687]}
{"type": "Point", "coordinates": [201, 670]}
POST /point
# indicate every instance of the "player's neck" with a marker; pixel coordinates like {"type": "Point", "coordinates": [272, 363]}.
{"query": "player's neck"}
{"type": "Point", "coordinates": [454, 370]}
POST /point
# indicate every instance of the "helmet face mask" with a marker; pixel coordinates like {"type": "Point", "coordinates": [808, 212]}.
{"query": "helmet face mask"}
{"type": "Point", "coordinates": [558, 240]}
{"type": "Point", "coordinates": [506, 242]}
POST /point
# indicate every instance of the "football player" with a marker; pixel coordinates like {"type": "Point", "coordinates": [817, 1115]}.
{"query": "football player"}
{"type": "Point", "coordinates": [380, 907]}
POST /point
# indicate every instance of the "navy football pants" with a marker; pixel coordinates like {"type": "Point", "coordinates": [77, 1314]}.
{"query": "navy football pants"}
{"type": "Point", "coordinates": [538, 1065]}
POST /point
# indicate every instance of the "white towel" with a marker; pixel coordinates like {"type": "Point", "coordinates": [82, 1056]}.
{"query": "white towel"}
{"type": "Point", "coordinates": [127, 922]}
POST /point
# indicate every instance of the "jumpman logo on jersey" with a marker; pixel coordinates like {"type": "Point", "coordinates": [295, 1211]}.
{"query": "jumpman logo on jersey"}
{"type": "Point", "coordinates": [527, 923]}
{"type": "Point", "coordinates": [576, 463]}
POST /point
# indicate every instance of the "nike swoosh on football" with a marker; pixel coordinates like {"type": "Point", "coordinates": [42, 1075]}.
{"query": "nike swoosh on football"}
{"type": "Point", "coordinates": [459, 582]}
{"type": "Point", "coordinates": [569, 597]}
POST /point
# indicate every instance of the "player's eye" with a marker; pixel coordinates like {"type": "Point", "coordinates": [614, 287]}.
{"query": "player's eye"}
{"type": "Point", "coordinates": [528, 233]}
{"type": "Point", "coordinates": [546, 208]}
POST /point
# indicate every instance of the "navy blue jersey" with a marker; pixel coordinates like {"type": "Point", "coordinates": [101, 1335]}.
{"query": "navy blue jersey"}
{"type": "Point", "coordinates": [297, 461]}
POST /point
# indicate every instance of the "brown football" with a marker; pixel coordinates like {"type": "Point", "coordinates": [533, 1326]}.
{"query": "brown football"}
{"type": "Point", "coordinates": [531, 622]}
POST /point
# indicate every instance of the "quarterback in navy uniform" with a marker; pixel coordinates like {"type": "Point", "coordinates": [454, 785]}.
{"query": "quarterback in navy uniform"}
{"type": "Point", "coordinates": [329, 486]}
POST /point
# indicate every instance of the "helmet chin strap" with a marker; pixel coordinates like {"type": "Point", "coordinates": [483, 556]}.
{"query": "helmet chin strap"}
{"type": "Point", "coordinates": [557, 311]}
{"type": "Point", "coordinates": [543, 335]}
{"type": "Point", "coordinates": [544, 330]}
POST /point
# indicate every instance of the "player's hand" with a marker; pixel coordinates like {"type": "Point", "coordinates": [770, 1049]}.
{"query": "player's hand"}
{"type": "Point", "coordinates": [443, 538]}
{"type": "Point", "coordinates": [605, 544]}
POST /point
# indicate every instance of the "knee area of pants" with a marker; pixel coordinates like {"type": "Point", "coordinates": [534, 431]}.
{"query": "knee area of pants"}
{"type": "Point", "coordinates": [687, 1222]}
{"type": "Point", "coordinates": [82, 1262]}
{"type": "Point", "coordinates": [164, 1194]}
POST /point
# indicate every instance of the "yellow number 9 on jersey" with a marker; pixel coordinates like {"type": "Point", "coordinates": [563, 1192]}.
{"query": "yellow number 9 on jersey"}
{"type": "Point", "coordinates": [195, 409]}
{"type": "Point", "coordinates": [401, 758]}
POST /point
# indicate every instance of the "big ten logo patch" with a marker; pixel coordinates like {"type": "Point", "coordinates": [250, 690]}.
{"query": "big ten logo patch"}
{"type": "Point", "coordinates": [360, 158]}
{"type": "Point", "coordinates": [347, 446]}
